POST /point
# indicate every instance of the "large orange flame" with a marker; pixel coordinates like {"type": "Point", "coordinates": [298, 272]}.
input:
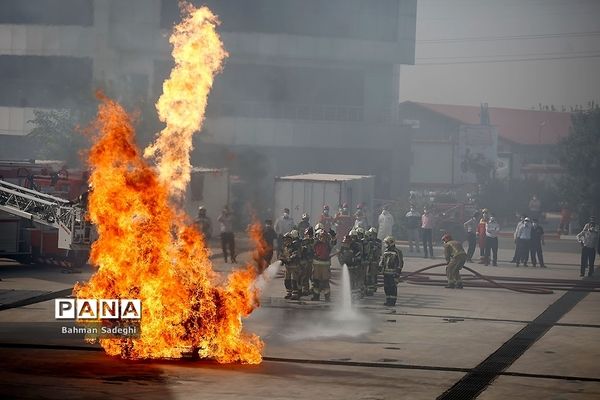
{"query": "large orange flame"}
{"type": "Point", "coordinates": [198, 55]}
{"type": "Point", "coordinates": [145, 247]}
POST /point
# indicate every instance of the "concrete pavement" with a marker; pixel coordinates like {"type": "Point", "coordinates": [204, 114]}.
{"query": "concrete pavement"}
{"type": "Point", "coordinates": [423, 348]}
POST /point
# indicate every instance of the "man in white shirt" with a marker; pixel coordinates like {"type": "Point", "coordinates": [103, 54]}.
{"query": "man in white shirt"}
{"type": "Point", "coordinates": [283, 225]}
{"type": "Point", "coordinates": [386, 224]}
{"type": "Point", "coordinates": [491, 241]}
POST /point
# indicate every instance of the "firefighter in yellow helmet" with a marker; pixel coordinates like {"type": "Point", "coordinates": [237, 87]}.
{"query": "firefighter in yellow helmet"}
{"type": "Point", "coordinates": [456, 258]}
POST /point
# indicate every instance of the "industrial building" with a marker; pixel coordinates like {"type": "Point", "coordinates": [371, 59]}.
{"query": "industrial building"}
{"type": "Point", "coordinates": [302, 93]}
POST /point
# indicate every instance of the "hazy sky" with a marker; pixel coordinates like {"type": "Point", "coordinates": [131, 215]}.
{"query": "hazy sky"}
{"type": "Point", "coordinates": [452, 35]}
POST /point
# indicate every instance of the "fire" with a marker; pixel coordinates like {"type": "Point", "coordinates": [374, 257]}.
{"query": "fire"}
{"type": "Point", "coordinates": [198, 54]}
{"type": "Point", "coordinates": [146, 248]}
{"type": "Point", "coordinates": [260, 246]}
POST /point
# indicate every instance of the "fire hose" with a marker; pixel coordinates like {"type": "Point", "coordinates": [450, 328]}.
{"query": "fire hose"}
{"type": "Point", "coordinates": [531, 289]}
{"type": "Point", "coordinates": [520, 284]}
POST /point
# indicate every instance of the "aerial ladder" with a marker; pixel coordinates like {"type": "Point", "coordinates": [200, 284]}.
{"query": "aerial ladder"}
{"type": "Point", "coordinates": [75, 233]}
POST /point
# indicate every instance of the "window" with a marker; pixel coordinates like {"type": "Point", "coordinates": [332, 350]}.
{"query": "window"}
{"type": "Point", "coordinates": [47, 12]}
{"type": "Point", "coordinates": [282, 92]}
{"type": "Point", "coordinates": [358, 19]}
{"type": "Point", "coordinates": [37, 81]}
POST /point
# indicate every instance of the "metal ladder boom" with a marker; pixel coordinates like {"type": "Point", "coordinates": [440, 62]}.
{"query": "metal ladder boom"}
{"type": "Point", "coordinates": [44, 209]}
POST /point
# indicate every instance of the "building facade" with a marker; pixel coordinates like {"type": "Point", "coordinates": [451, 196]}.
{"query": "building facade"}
{"type": "Point", "coordinates": [310, 85]}
{"type": "Point", "coordinates": [518, 143]}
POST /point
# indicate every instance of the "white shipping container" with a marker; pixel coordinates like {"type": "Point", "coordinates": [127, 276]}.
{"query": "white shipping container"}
{"type": "Point", "coordinates": [310, 192]}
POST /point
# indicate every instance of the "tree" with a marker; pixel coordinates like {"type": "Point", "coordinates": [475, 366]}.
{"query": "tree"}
{"type": "Point", "coordinates": [579, 154]}
{"type": "Point", "coordinates": [58, 135]}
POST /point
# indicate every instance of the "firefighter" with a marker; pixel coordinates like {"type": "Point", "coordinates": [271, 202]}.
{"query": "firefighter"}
{"type": "Point", "coordinates": [304, 223]}
{"type": "Point", "coordinates": [330, 232]}
{"type": "Point", "coordinates": [326, 220]}
{"type": "Point", "coordinates": [204, 223]}
{"type": "Point", "coordinates": [363, 264]}
{"type": "Point", "coordinates": [391, 264]}
{"type": "Point", "coordinates": [290, 258]}
{"type": "Point", "coordinates": [343, 221]}
{"type": "Point", "coordinates": [456, 258]}
{"type": "Point", "coordinates": [373, 257]}
{"type": "Point", "coordinates": [306, 262]}
{"type": "Point", "coordinates": [321, 272]}
{"type": "Point", "coordinates": [351, 255]}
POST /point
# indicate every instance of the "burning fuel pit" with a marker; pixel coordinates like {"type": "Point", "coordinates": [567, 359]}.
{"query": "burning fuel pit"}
{"type": "Point", "coordinates": [146, 248]}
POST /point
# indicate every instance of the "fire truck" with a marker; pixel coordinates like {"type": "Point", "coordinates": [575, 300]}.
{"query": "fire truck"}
{"type": "Point", "coordinates": [42, 213]}
{"type": "Point", "coordinates": [449, 213]}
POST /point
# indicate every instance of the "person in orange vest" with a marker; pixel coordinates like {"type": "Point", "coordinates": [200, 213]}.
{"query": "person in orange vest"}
{"type": "Point", "coordinates": [326, 219]}
{"type": "Point", "coordinates": [343, 221]}
{"type": "Point", "coordinates": [481, 234]}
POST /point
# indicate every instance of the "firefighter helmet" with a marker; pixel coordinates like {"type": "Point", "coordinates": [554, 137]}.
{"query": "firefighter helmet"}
{"type": "Point", "coordinates": [389, 241]}
{"type": "Point", "coordinates": [294, 234]}
{"type": "Point", "coordinates": [308, 232]}
{"type": "Point", "coordinates": [372, 232]}
{"type": "Point", "coordinates": [325, 207]}
{"type": "Point", "coordinates": [360, 232]}
{"type": "Point", "coordinates": [319, 226]}
{"type": "Point", "coordinates": [320, 235]}
{"type": "Point", "coordinates": [446, 238]}
{"type": "Point", "coordinates": [305, 217]}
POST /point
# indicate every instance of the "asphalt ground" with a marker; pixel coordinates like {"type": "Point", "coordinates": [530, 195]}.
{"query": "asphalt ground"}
{"type": "Point", "coordinates": [486, 343]}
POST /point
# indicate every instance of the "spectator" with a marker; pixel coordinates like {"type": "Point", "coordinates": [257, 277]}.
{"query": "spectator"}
{"type": "Point", "coordinates": [523, 238]}
{"type": "Point", "coordinates": [413, 222]}
{"type": "Point", "coordinates": [471, 228]}
{"type": "Point", "coordinates": [535, 207]}
{"type": "Point", "coordinates": [227, 236]}
{"type": "Point", "coordinates": [427, 224]}
{"type": "Point", "coordinates": [589, 239]}
{"type": "Point", "coordinates": [283, 225]}
{"type": "Point", "coordinates": [269, 235]}
{"type": "Point", "coordinates": [514, 259]}
{"type": "Point", "coordinates": [481, 236]}
{"type": "Point", "coordinates": [204, 223]}
{"type": "Point", "coordinates": [386, 224]}
{"type": "Point", "coordinates": [565, 220]}
{"type": "Point", "coordinates": [537, 241]}
{"type": "Point", "coordinates": [491, 241]}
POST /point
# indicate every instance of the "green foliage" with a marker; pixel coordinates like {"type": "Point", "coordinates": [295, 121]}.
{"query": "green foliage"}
{"type": "Point", "coordinates": [58, 135]}
{"type": "Point", "coordinates": [580, 156]}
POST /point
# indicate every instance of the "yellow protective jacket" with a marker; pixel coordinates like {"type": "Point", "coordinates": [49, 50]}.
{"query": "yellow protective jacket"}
{"type": "Point", "coordinates": [452, 249]}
